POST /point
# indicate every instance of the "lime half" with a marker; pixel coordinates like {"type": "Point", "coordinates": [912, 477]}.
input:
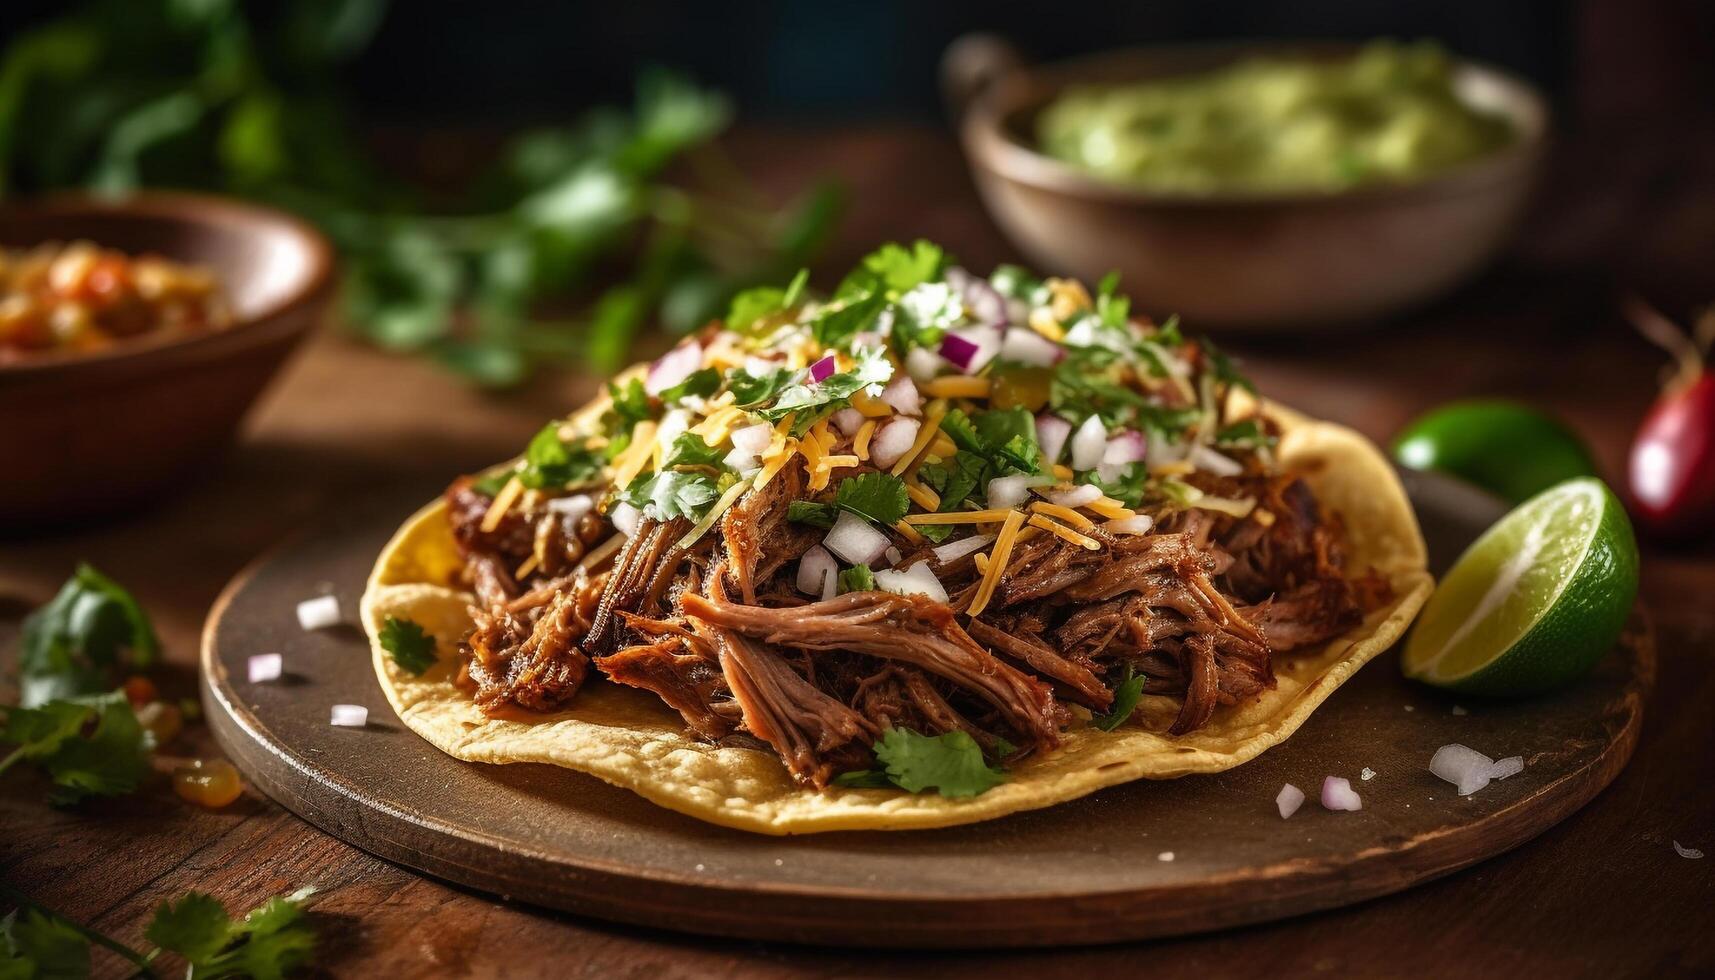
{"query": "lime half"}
{"type": "Point", "coordinates": [1536, 601]}
{"type": "Point", "coordinates": [1504, 447]}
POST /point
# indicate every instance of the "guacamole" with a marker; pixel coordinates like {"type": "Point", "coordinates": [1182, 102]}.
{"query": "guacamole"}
{"type": "Point", "coordinates": [1388, 114]}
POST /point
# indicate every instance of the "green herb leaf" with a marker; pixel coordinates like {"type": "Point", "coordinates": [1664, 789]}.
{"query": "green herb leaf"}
{"type": "Point", "coordinates": [924, 315]}
{"type": "Point", "coordinates": [872, 368]}
{"type": "Point", "coordinates": [879, 497]}
{"type": "Point", "coordinates": [1014, 282]}
{"type": "Point", "coordinates": [196, 927]}
{"type": "Point", "coordinates": [411, 648]}
{"type": "Point", "coordinates": [551, 463]}
{"type": "Point", "coordinates": [857, 578]}
{"type": "Point", "coordinates": [955, 480]}
{"type": "Point", "coordinates": [689, 449]}
{"type": "Point", "coordinates": [1129, 487]}
{"type": "Point", "coordinates": [34, 944]}
{"type": "Point", "coordinates": [671, 493]}
{"type": "Point", "coordinates": [1245, 434]}
{"type": "Point", "coordinates": [1126, 695]}
{"type": "Point", "coordinates": [749, 389]}
{"type": "Point", "coordinates": [900, 269]}
{"type": "Point", "coordinates": [700, 384]}
{"type": "Point", "coordinates": [811, 513]}
{"type": "Point", "coordinates": [863, 779]}
{"type": "Point", "coordinates": [110, 760]}
{"type": "Point", "coordinates": [269, 942]}
{"type": "Point", "coordinates": [1226, 370]}
{"type": "Point", "coordinates": [951, 763]}
{"type": "Point", "coordinates": [83, 639]}
{"type": "Point", "coordinates": [836, 327]}
{"type": "Point", "coordinates": [760, 302]}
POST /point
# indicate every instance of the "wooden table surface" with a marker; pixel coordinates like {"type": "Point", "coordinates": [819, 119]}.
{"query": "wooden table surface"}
{"type": "Point", "coordinates": [1603, 894]}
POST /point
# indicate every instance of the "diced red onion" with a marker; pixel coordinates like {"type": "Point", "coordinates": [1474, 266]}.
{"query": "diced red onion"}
{"type": "Point", "coordinates": [1462, 766]}
{"type": "Point", "coordinates": [573, 507]}
{"type": "Point", "coordinates": [922, 364]}
{"type": "Point", "coordinates": [1338, 794]}
{"type": "Point", "coordinates": [1210, 461]}
{"type": "Point", "coordinates": [954, 550]}
{"type": "Point", "coordinates": [349, 716]}
{"type": "Point", "coordinates": [848, 421]}
{"type": "Point", "coordinates": [822, 370]}
{"type": "Point", "coordinates": [674, 366]}
{"type": "Point", "coordinates": [1052, 431]}
{"type": "Point", "coordinates": [625, 518]}
{"type": "Point", "coordinates": [1028, 347]}
{"type": "Point", "coordinates": [1136, 524]}
{"type": "Point", "coordinates": [854, 540]}
{"type": "Point", "coordinates": [743, 462]}
{"type": "Point", "coordinates": [893, 440]}
{"type": "Point", "coordinates": [1126, 448]}
{"type": "Point", "coordinates": [901, 395]}
{"type": "Point", "coordinates": [814, 569]}
{"type": "Point", "coordinates": [972, 348]}
{"type": "Point", "coordinates": [265, 667]}
{"type": "Point", "coordinates": [916, 580]}
{"type": "Point", "coordinates": [319, 613]}
{"type": "Point", "coordinates": [1512, 765]}
{"type": "Point", "coordinates": [1289, 799]}
{"type": "Point", "coordinates": [1077, 496]}
{"type": "Point", "coordinates": [753, 438]}
{"type": "Point", "coordinates": [1010, 491]}
{"type": "Point", "coordinates": [1089, 443]}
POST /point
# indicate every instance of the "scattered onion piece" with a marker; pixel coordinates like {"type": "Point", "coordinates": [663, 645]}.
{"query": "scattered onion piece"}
{"type": "Point", "coordinates": [1462, 766]}
{"type": "Point", "coordinates": [822, 370]}
{"type": "Point", "coordinates": [1512, 765]}
{"type": "Point", "coordinates": [813, 569]}
{"type": "Point", "coordinates": [916, 580]}
{"type": "Point", "coordinates": [349, 716]}
{"type": "Point", "coordinates": [1136, 524]}
{"type": "Point", "coordinates": [1077, 496]}
{"type": "Point", "coordinates": [753, 438]}
{"type": "Point", "coordinates": [902, 396]}
{"type": "Point", "coordinates": [923, 364]}
{"type": "Point", "coordinates": [848, 420]}
{"type": "Point", "coordinates": [674, 366]}
{"type": "Point", "coordinates": [954, 550]}
{"type": "Point", "coordinates": [1089, 443]}
{"type": "Point", "coordinates": [1289, 799]}
{"type": "Point", "coordinates": [319, 613]}
{"type": "Point", "coordinates": [625, 518]}
{"type": "Point", "coordinates": [265, 667]}
{"type": "Point", "coordinates": [1210, 461]}
{"type": "Point", "coordinates": [1029, 348]}
{"type": "Point", "coordinates": [572, 507]}
{"type": "Point", "coordinates": [1052, 431]}
{"type": "Point", "coordinates": [893, 440]}
{"type": "Point", "coordinates": [854, 540]}
{"type": "Point", "coordinates": [1338, 794]}
{"type": "Point", "coordinates": [1125, 448]}
{"type": "Point", "coordinates": [1007, 492]}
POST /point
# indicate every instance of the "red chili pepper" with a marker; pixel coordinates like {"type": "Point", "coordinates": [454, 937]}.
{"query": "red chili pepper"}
{"type": "Point", "coordinates": [1671, 474]}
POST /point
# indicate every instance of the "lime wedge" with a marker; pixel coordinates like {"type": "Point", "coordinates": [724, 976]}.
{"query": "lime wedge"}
{"type": "Point", "coordinates": [1536, 601]}
{"type": "Point", "coordinates": [1505, 448]}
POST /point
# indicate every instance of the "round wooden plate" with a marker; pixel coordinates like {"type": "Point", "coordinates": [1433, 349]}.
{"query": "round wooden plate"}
{"type": "Point", "coordinates": [1145, 859]}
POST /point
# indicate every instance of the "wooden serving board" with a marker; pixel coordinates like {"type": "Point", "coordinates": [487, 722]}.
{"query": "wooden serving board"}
{"type": "Point", "coordinates": [1135, 861]}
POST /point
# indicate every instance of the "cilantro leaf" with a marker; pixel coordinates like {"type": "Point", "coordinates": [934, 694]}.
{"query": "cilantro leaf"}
{"type": "Point", "coordinates": [959, 428]}
{"type": "Point", "coordinates": [701, 384]}
{"type": "Point", "coordinates": [671, 493]}
{"type": "Point", "coordinates": [689, 449]}
{"type": "Point", "coordinates": [857, 578]}
{"type": "Point", "coordinates": [1226, 370]}
{"type": "Point", "coordinates": [754, 389]}
{"type": "Point", "coordinates": [924, 315]}
{"type": "Point", "coordinates": [411, 648]}
{"type": "Point", "coordinates": [900, 269]}
{"type": "Point", "coordinates": [630, 403]}
{"type": "Point", "coordinates": [1245, 434]}
{"type": "Point", "coordinates": [109, 760]}
{"type": "Point", "coordinates": [954, 480]}
{"type": "Point", "coordinates": [195, 927]}
{"type": "Point", "coordinates": [872, 368]}
{"type": "Point", "coordinates": [550, 462]}
{"type": "Point", "coordinates": [952, 763]}
{"type": "Point", "coordinates": [1008, 437]}
{"type": "Point", "coordinates": [863, 779]}
{"type": "Point", "coordinates": [836, 327]}
{"type": "Point", "coordinates": [78, 643]}
{"type": "Point", "coordinates": [1128, 486]}
{"type": "Point", "coordinates": [812, 513]}
{"type": "Point", "coordinates": [1126, 695]}
{"type": "Point", "coordinates": [35, 944]}
{"type": "Point", "coordinates": [761, 302]}
{"type": "Point", "coordinates": [879, 497]}
{"type": "Point", "coordinates": [269, 942]}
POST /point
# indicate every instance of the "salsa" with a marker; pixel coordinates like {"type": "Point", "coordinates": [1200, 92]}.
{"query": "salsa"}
{"type": "Point", "coordinates": [82, 297]}
{"type": "Point", "coordinates": [1388, 114]}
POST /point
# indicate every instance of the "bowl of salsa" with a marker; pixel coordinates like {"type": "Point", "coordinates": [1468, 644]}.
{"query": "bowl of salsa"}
{"type": "Point", "coordinates": [1254, 185]}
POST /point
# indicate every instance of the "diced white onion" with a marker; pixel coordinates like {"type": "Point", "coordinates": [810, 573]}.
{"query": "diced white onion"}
{"type": "Point", "coordinates": [1010, 491]}
{"type": "Point", "coordinates": [1462, 766]}
{"type": "Point", "coordinates": [1052, 431]}
{"type": "Point", "coordinates": [349, 716]}
{"type": "Point", "coordinates": [854, 540]}
{"type": "Point", "coordinates": [572, 507]}
{"type": "Point", "coordinates": [319, 613]}
{"type": "Point", "coordinates": [813, 569]}
{"type": "Point", "coordinates": [1289, 799]}
{"type": "Point", "coordinates": [753, 438]}
{"type": "Point", "coordinates": [893, 440]}
{"type": "Point", "coordinates": [1030, 348]}
{"type": "Point", "coordinates": [922, 364]}
{"type": "Point", "coordinates": [1135, 524]}
{"type": "Point", "coordinates": [673, 425]}
{"type": "Point", "coordinates": [902, 396]}
{"type": "Point", "coordinates": [1089, 443]}
{"type": "Point", "coordinates": [848, 421]}
{"type": "Point", "coordinates": [954, 550]}
{"type": "Point", "coordinates": [758, 367]}
{"type": "Point", "coordinates": [674, 366]}
{"type": "Point", "coordinates": [1512, 765]}
{"type": "Point", "coordinates": [1338, 794]}
{"type": "Point", "coordinates": [1078, 496]}
{"type": "Point", "coordinates": [265, 667]}
{"type": "Point", "coordinates": [625, 518]}
{"type": "Point", "coordinates": [916, 580]}
{"type": "Point", "coordinates": [1367, 775]}
{"type": "Point", "coordinates": [744, 462]}
{"type": "Point", "coordinates": [1125, 448]}
{"type": "Point", "coordinates": [1210, 461]}
{"type": "Point", "coordinates": [891, 556]}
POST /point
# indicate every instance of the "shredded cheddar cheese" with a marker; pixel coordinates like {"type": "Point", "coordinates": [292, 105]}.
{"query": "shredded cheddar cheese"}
{"type": "Point", "coordinates": [869, 406]}
{"type": "Point", "coordinates": [526, 567]}
{"type": "Point", "coordinates": [926, 433]}
{"type": "Point", "coordinates": [991, 516]}
{"type": "Point", "coordinates": [631, 462]}
{"type": "Point", "coordinates": [910, 532]}
{"type": "Point", "coordinates": [1176, 468]}
{"type": "Point", "coordinates": [860, 442]}
{"type": "Point", "coordinates": [1263, 517]}
{"type": "Point", "coordinates": [924, 497]}
{"type": "Point", "coordinates": [1066, 514]}
{"type": "Point", "coordinates": [1043, 323]}
{"type": "Point", "coordinates": [502, 503]}
{"type": "Point", "coordinates": [602, 552]}
{"type": "Point", "coordinates": [1065, 533]}
{"type": "Point", "coordinates": [956, 386]}
{"type": "Point", "coordinates": [982, 562]}
{"type": "Point", "coordinates": [997, 561]}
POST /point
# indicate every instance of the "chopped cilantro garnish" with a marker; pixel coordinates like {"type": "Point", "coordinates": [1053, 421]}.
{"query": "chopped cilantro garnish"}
{"type": "Point", "coordinates": [954, 479]}
{"type": "Point", "coordinates": [1126, 695]}
{"type": "Point", "coordinates": [1128, 486]}
{"type": "Point", "coordinates": [107, 759]}
{"type": "Point", "coordinates": [671, 493]}
{"type": "Point", "coordinates": [1246, 434]}
{"type": "Point", "coordinates": [36, 944]}
{"type": "Point", "coordinates": [271, 941]}
{"type": "Point", "coordinates": [689, 449]}
{"type": "Point", "coordinates": [753, 389]}
{"type": "Point", "coordinates": [900, 269]}
{"type": "Point", "coordinates": [872, 368]}
{"type": "Point", "coordinates": [756, 304]}
{"type": "Point", "coordinates": [411, 648]}
{"type": "Point", "coordinates": [924, 315]}
{"type": "Point", "coordinates": [81, 641]}
{"type": "Point", "coordinates": [836, 327]}
{"type": "Point", "coordinates": [1112, 309]}
{"type": "Point", "coordinates": [857, 578]}
{"type": "Point", "coordinates": [630, 403]}
{"type": "Point", "coordinates": [879, 497]}
{"type": "Point", "coordinates": [552, 463]}
{"type": "Point", "coordinates": [952, 764]}
{"type": "Point", "coordinates": [812, 513]}
{"type": "Point", "coordinates": [700, 384]}
{"type": "Point", "coordinates": [1225, 369]}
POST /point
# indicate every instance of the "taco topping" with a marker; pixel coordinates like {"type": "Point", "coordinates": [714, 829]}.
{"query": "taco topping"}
{"type": "Point", "coordinates": [909, 533]}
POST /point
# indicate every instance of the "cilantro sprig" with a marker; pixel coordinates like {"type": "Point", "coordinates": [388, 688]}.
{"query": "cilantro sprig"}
{"type": "Point", "coordinates": [671, 493]}
{"type": "Point", "coordinates": [551, 462]}
{"type": "Point", "coordinates": [952, 764]}
{"type": "Point", "coordinates": [82, 640]}
{"type": "Point", "coordinates": [407, 643]}
{"type": "Point", "coordinates": [872, 368]}
{"type": "Point", "coordinates": [86, 746]}
{"type": "Point", "coordinates": [1126, 695]}
{"type": "Point", "coordinates": [879, 497]}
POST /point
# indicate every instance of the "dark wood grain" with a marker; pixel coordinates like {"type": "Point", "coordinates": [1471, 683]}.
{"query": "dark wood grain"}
{"type": "Point", "coordinates": [1630, 201]}
{"type": "Point", "coordinates": [1137, 861]}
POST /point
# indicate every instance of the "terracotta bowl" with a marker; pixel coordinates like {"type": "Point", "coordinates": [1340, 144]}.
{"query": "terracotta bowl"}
{"type": "Point", "coordinates": [85, 434]}
{"type": "Point", "coordinates": [1254, 262]}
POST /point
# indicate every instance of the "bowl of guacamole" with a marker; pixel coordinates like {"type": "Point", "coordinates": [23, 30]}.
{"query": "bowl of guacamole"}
{"type": "Point", "coordinates": [1256, 186]}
